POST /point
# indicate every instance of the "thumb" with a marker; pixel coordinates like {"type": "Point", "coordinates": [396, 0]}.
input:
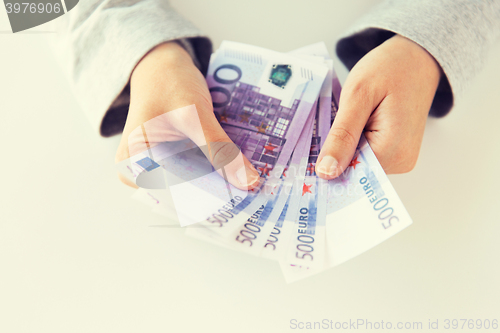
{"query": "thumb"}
{"type": "Point", "coordinates": [355, 107]}
{"type": "Point", "coordinates": [222, 152]}
{"type": "Point", "coordinates": [201, 126]}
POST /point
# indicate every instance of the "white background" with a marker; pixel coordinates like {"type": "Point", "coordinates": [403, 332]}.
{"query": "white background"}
{"type": "Point", "coordinates": [78, 255]}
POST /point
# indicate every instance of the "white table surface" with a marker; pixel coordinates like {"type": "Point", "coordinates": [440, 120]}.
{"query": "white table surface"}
{"type": "Point", "coordinates": [77, 254]}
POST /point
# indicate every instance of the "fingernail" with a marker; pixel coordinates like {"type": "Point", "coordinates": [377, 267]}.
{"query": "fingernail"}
{"type": "Point", "coordinates": [328, 165]}
{"type": "Point", "coordinates": [247, 176]}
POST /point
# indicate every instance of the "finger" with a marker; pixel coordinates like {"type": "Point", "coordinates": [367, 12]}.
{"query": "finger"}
{"type": "Point", "coordinates": [143, 131]}
{"type": "Point", "coordinates": [201, 126]}
{"type": "Point", "coordinates": [224, 155]}
{"type": "Point", "coordinates": [127, 181]}
{"type": "Point", "coordinates": [395, 137]}
{"type": "Point", "coordinates": [357, 102]}
{"type": "Point", "coordinates": [170, 100]}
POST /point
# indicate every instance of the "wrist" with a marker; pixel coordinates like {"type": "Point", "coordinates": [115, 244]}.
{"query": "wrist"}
{"type": "Point", "coordinates": [161, 57]}
{"type": "Point", "coordinates": [420, 58]}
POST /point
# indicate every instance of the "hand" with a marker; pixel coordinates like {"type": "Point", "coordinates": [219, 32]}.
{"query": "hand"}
{"type": "Point", "coordinates": [166, 80]}
{"type": "Point", "coordinates": [388, 94]}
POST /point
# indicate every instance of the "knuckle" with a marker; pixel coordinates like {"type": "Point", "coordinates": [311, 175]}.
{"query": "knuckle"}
{"type": "Point", "coordinates": [343, 136]}
{"type": "Point", "coordinates": [404, 167]}
{"type": "Point", "coordinates": [359, 88]}
{"type": "Point", "coordinates": [410, 164]}
{"type": "Point", "coordinates": [359, 91]}
{"type": "Point", "coordinates": [222, 152]}
{"type": "Point", "coordinates": [396, 158]}
{"type": "Point", "coordinates": [405, 160]}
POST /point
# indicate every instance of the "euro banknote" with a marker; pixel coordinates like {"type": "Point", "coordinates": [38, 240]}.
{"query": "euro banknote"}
{"type": "Point", "coordinates": [363, 210]}
{"type": "Point", "coordinates": [277, 108]}
{"type": "Point", "coordinates": [262, 99]}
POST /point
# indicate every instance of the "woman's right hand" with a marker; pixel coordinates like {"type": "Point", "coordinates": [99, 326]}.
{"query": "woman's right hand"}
{"type": "Point", "coordinates": [165, 80]}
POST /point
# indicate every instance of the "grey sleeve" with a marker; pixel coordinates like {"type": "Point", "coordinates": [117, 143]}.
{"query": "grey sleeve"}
{"type": "Point", "coordinates": [457, 33]}
{"type": "Point", "coordinates": [100, 42]}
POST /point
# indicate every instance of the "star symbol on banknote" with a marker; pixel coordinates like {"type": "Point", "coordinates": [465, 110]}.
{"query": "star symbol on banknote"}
{"type": "Point", "coordinates": [306, 189]}
{"type": "Point", "coordinates": [264, 170]}
{"type": "Point", "coordinates": [354, 162]}
{"type": "Point", "coordinates": [244, 117]}
{"type": "Point", "coordinates": [223, 117]}
{"type": "Point", "coordinates": [189, 168]}
{"type": "Point", "coordinates": [269, 149]}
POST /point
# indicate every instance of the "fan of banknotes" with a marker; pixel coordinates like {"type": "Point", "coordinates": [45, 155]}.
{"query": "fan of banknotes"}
{"type": "Point", "coordinates": [278, 109]}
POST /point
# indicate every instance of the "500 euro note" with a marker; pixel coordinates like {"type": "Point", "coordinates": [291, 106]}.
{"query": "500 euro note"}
{"type": "Point", "coordinates": [363, 210]}
{"type": "Point", "coordinates": [262, 99]}
{"type": "Point", "coordinates": [287, 209]}
{"type": "Point", "coordinates": [252, 235]}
